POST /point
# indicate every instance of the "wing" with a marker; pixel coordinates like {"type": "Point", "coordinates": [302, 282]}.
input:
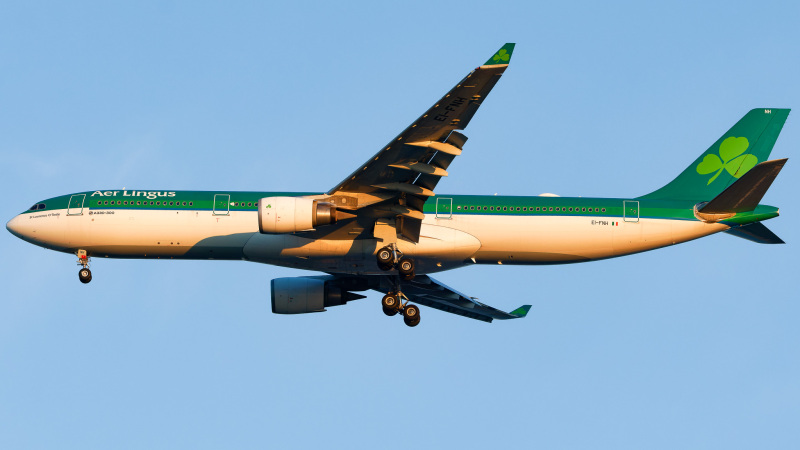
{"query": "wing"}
{"type": "Point", "coordinates": [429, 292]}
{"type": "Point", "coordinates": [396, 182]}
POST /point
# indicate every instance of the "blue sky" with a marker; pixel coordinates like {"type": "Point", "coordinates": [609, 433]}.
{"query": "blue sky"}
{"type": "Point", "coordinates": [693, 346]}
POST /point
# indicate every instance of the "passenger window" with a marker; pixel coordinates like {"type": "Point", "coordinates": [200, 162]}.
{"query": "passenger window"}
{"type": "Point", "coordinates": [504, 208]}
{"type": "Point", "coordinates": [184, 203]}
{"type": "Point", "coordinates": [570, 210]}
{"type": "Point", "coordinates": [551, 208]}
{"type": "Point", "coordinates": [584, 209]}
{"type": "Point", "coordinates": [604, 210]}
{"type": "Point", "coordinates": [491, 208]}
{"type": "Point", "coordinates": [190, 203]}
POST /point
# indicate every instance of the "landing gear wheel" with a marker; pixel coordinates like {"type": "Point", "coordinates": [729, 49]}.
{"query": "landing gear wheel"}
{"type": "Point", "coordinates": [390, 304]}
{"type": "Point", "coordinates": [385, 258]}
{"type": "Point", "coordinates": [85, 275]}
{"type": "Point", "coordinates": [411, 315]}
{"type": "Point", "coordinates": [406, 268]}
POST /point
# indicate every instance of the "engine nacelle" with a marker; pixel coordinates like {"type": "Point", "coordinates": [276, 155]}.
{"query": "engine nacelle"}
{"type": "Point", "coordinates": [299, 295]}
{"type": "Point", "coordinates": [293, 214]}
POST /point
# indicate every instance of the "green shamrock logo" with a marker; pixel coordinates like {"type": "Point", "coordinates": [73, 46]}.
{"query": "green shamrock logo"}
{"type": "Point", "coordinates": [502, 55]}
{"type": "Point", "coordinates": [732, 159]}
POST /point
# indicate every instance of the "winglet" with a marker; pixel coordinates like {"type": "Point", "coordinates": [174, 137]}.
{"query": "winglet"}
{"type": "Point", "coordinates": [502, 56]}
{"type": "Point", "coordinates": [522, 311]}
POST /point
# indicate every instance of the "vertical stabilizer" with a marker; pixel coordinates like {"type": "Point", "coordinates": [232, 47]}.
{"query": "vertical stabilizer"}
{"type": "Point", "coordinates": [746, 144]}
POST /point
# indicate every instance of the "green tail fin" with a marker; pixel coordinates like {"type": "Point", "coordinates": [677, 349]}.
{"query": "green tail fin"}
{"type": "Point", "coordinates": [746, 144]}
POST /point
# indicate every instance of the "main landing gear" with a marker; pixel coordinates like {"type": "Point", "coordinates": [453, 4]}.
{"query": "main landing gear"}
{"type": "Point", "coordinates": [391, 257]}
{"type": "Point", "coordinates": [85, 275]}
{"type": "Point", "coordinates": [392, 303]}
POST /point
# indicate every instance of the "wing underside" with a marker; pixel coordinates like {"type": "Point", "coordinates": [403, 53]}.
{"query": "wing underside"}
{"type": "Point", "coordinates": [429, 292]}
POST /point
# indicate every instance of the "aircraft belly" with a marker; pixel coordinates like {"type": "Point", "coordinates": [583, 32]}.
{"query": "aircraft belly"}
{"type": "Point", "coordinates": [440, 248]}
{"type": "Point", "coordinates": [541, 240]}
{"type": "Point", "coordinates": [326, 255]}
{"type": "Point", "coordinates": [161, 234]}
{"type": "Point", "coordinates": [649, 234]}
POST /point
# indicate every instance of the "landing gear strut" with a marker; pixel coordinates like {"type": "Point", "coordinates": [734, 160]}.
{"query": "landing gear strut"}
{"type": "Point", "coordinates": [390, 257]}
{"type": "Point", "coordinates": [392, 303]}
{"type": "Point", "coordinates": [85, 275]}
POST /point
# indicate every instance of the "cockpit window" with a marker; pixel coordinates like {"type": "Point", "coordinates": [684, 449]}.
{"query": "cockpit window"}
{"type": "Point", "coordinates": [41, 205]}
{"type": "Point", "coordinates": [33, 208]}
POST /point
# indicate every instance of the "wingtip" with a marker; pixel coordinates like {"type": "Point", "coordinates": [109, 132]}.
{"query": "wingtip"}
{"type": "Point", "coordinates": [521, 312]}
{"type": "Point", "coordinates": [502, 56]}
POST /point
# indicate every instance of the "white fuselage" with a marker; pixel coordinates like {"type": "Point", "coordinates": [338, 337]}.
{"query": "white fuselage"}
{"type": "Point", "coordinates": [445, 243]}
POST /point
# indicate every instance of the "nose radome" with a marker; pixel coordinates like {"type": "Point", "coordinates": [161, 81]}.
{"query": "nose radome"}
{"type": "Point", "coordinates": [15, 227]}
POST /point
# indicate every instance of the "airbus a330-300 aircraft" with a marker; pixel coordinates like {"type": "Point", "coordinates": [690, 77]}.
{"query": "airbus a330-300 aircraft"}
{"type": "Point", "coordinates": [382, 228]}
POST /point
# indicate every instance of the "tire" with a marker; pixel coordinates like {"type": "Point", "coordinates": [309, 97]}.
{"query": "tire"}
{"type": "Point", "coordinates": [390, 303]}
{"type": "Point", "coordinates": [411, 312]}
{"type": "Point", "coordinates": [385, 257]}
{"type": "Point", "coordinates": [389, 312]}
{"type": "Point", "coordinates": [406, 268]}
{"type": "Point", "coordinates": [85, 275]}
{"type": "Point", "coordinates": [411, 323]}
{"type": "Point", "coordinates": [411, 315]}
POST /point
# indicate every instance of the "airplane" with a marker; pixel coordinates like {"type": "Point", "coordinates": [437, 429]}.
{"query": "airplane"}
{"type": "Point", "coordinates": [383, 228]}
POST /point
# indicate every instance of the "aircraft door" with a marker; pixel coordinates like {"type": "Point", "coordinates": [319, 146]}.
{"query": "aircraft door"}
{"type": "Point", "coordinates": [75, 206]}
{"type": "Point", "coordinates": [444, 208]}
{"type": "Point", "coordinates": [630, 211]}
{"type": "Point", "coordinates": [222, 204]}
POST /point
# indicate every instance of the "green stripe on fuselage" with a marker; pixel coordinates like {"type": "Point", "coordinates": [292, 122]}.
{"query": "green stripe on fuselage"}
{"type": "Point", "coordinates": [461, 204]}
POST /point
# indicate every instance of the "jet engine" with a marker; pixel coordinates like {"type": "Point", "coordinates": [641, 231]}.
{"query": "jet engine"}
{"type": "Point", "coordinates": [293, 214]}
{"type": "Point", "coordinates": [299, 295]}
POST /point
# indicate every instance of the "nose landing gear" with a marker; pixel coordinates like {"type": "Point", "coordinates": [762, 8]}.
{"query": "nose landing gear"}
{"type": "Point", "coordinates": [391, 257]}
{"type": "Point", "coordinates": [84, 274]}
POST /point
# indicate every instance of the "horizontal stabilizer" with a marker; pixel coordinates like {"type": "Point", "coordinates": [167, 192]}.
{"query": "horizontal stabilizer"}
{"type": "Point", "coordinates": [756, 232]}
{"type": "Point", "coordinates": [745, 193]}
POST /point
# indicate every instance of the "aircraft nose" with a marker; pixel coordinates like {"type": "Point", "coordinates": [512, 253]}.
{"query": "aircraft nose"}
{"type": "Point", "coordinates": [16, 227]}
